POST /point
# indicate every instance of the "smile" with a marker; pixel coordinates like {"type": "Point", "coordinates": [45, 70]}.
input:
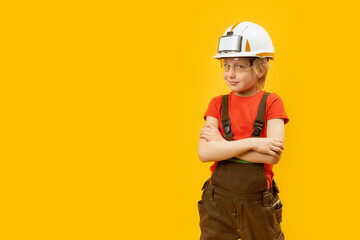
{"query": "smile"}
{"type": "Point", "coordinates": [232, 83]}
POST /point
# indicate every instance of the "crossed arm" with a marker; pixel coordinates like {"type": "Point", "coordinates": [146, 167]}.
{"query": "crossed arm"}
{"type": "Point", "coordinates": [213, 147]}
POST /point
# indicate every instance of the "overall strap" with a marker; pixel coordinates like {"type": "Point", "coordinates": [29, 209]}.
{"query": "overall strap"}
{"type": "Point", "coordinates": [259, 121]}
{"type": "Point", "coordinates": [235, 174]}
{"type": "Point", "coordinates": [225, 120]}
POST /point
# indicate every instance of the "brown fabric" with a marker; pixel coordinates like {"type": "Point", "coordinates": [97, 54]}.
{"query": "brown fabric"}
{"type": "Point", "coordinates": [225, 215]}
{"type": "Point", "coordinates": [240, 177]}
{"type": "Point", "coordinates": [236, 202]}
{"type": "Point", "coordinates": [225, 120]}
{"type": "Point", "coordinates": [259, 121]}
{"type": "Point", "coordinates": [235, 176]}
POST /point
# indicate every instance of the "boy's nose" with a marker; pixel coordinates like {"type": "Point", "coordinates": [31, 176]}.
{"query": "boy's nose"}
{"type": "Point", "coordinates": [231, 72]}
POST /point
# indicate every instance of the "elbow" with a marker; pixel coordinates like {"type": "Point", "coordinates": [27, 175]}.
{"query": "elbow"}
{"type": "Point", "coordinates": [275, 159]}
{"type": "Point", "coordinates": [203, 153]}
{"type": "Point", "coordinates": [202, 156]}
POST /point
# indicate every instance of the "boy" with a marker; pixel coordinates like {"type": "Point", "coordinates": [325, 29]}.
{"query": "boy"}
{"type": "Point", "coordinates": [243, 135]}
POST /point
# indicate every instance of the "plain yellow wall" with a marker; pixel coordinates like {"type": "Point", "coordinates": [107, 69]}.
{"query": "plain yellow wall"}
{"type": "Point", "coordinates": [102, 103]}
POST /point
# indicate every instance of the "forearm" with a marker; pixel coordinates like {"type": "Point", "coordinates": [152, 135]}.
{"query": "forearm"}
{"type": "Point", "coordinates": [222, 150]}
{"type": "Point", "coordinates": [256, 157]}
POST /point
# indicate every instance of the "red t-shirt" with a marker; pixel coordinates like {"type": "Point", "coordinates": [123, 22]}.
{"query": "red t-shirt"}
{"type": "Point", "coordinates": [242, 114]}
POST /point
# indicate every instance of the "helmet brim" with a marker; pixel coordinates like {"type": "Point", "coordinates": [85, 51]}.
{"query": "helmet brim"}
{"type": "Point", "coordinates": [244, 54]}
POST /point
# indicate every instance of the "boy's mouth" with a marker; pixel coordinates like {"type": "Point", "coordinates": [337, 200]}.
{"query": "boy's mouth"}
{"type": "Point", "coordinates": [232, 83]}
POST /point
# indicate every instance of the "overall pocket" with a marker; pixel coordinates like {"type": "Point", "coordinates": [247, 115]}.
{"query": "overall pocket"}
{"type": "Point", "coordinates": [203, 198]}
{"type": "Point", "coordinates": [274, 215]}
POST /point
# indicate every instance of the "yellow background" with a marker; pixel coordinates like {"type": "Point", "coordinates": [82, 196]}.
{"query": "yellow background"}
{"type": "Point", "coordinates": [102, 105]}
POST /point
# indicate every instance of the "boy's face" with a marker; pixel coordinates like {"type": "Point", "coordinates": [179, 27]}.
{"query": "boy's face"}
{"type": "Point", "coordinates": [239, 76]}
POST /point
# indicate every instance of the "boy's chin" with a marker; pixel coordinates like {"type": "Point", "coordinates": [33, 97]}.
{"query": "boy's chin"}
{"type": "Point", "coordinates": [236, 89]}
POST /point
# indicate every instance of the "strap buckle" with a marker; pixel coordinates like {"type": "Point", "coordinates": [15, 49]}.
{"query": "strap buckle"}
{"type": "Point", "coordinates": [226, 125]}
{"type": "Point", "coordinates": [257, 129]}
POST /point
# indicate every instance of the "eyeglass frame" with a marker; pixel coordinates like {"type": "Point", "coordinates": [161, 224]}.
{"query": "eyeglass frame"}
{"type": "Point", "coordinates": [251, 61]}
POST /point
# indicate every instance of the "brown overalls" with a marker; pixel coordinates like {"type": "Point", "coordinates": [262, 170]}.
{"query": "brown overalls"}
{"type": "Point", "coordinates": [235, 202]}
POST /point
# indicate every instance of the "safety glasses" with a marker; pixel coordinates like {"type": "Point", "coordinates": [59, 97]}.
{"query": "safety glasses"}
{"type": "Point", "coordinates": [237, 67]}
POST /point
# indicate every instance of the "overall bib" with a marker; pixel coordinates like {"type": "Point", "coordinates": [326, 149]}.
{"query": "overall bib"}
{"type": "Point", "coordinates": [236, 203]}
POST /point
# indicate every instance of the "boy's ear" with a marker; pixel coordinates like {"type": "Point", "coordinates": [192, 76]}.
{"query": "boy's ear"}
{"type": "Point", "coordinates": [263, 70]}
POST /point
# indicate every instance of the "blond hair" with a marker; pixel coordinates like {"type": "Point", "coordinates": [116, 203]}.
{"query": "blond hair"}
{"type": "Point", "coordinates": [261, 65]}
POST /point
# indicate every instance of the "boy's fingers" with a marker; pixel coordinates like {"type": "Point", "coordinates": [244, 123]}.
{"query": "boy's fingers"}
{"type": "Point", "coordinates": [204, 131]}
{"type": "Point", "coordinates": [209, 125]}
{"type": "Point", "coordinates": [203, 136]}
{"type": "Point", "coordinates": [279, 144]}
{"type": "Point", "coordinates": [209, 130]}
{"type": "Point", "coordinates": [272, 153]}
{"type": "Point", "coordinates": [279, 150]}
{"type": "Point", "coordinates": [275, 153]}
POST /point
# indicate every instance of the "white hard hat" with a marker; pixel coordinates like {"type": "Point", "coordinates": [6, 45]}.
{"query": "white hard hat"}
{"type": "Point", "coordinates": [245, 39]}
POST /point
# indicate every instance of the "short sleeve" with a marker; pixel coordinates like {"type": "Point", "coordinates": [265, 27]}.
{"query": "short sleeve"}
{"type": "Point", "coordinates": [214, 108]}
{"type": "Point", "coordinates": [275, 108]}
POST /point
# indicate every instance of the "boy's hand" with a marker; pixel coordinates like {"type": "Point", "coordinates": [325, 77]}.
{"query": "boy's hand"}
{"type": "Point", "coordinates": [270, 146]}
{"type": "Point", "coordinates": [211, 133]}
